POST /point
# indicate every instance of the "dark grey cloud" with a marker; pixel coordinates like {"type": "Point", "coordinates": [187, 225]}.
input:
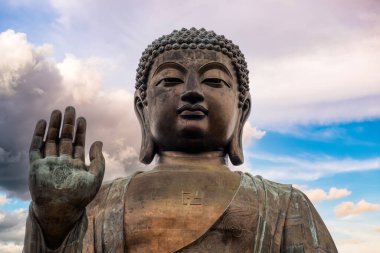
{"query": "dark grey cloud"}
{"type": "Point", "coordinates": [34, 85]}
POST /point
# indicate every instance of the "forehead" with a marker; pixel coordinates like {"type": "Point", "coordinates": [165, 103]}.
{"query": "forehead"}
{"type": "Point", "coordinates": [193, 59]}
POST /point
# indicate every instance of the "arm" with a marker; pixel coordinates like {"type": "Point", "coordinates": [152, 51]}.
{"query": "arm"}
{"type": "Point", "coordinates": [34, 239]}
{"type": "Point", "coordinates": [304, 230]}
{"type": "Point", "coordinates": [60, 183]}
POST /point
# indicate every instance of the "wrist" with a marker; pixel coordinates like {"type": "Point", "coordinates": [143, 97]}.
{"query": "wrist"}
{"type": "Point", "coordinates": [56, 214]}
{"type": "Point", "coordinates": [55, 225]}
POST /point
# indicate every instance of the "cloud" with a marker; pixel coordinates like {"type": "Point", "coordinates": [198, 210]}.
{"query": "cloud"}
{"type": "Point", "coordinates": [377, 228]}
{"type": "Point", "coordinates": [12, 230]}
{"type": "Point", "coordinates": [10, 247]}
{"type": "Point", "coordinates": [41, 85]}
{"type": "Point", "coordinates": [81, 77]}
{"type": "Point", "coordinates": [33, 84]}
{"type": "Point", "coordinates": [359, 246]}
{"type": "Point", "coordinates": [3, 200]}
{"type": "Point", "coordinates": [250, 134]}
{"type": "Point", "coordinates": [310, 88]}
{"type": "Point", "coordinates": [18, 58]}
{"type": "Point", "coordinates": [309, 167]}
{"type": "Point", "coordinates": [282, 27]}
{"type": "Point", "coordinates": [12, 226]}
{"type": "Point", "coordinates": [353, 235]}
{"type": "Point", "coordinates": [298, 75]}
{"type": "Point", "coordinates": [349, 208]}
{"type": "Point", "coordinates": [318, 194]}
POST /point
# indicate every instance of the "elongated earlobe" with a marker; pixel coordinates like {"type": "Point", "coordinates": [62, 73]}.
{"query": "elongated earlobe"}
{"type": "Point", "coordinates": [235, 148]}
{"type": "Point", "coordinates": [147, 150]}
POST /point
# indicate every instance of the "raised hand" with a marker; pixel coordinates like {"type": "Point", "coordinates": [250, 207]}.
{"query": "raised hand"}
{"type": "Point", "coordinates": [60, 183]}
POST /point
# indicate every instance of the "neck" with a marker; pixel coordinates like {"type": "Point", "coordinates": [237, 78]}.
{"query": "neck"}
{"type": "Point", "coordinates": [215, 160]}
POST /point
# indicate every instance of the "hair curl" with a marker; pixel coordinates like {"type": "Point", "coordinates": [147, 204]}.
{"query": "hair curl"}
{"type": "Point", "coordinates": [193, 39]}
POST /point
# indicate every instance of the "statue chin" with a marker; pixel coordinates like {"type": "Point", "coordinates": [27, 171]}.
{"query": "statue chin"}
{"type": "Point", "coordinates": [192, 132]}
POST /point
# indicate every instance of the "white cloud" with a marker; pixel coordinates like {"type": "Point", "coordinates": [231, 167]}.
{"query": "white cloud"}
{"type": "Point", "coordinates": [3, 200]}
{"type": "Point", "coordinates": [10, 247]}
{"type": "Point", "coordinates": [353, 235]}
{"type": "Point", "coordinates": [281, 167]}
{"type": "Point", "coordinates": [18, 58]}
{"type": "Point", "coordinates": [12, 230]}
{"type": "Point", "coordinates": [318, 194]}
{"type": "Point", "coordinates": [82, 78]}
{"type": "Point", "coordinates": [250, 134]}
{"type": "Point", "coordinates": [333, 84]}
{"type": "Point", "coordinates": [349, 208]}
{"type": "Point", "coordinates": [12, 226]}
{"type": "Point", "coordinates": [69, 9]}
{"type": "Point", "coordinates": [355, 246]}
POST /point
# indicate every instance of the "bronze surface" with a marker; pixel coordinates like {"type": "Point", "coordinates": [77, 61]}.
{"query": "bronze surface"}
{"type": "Point", "coordinates": [168, 209]}
{"type": "Point", "coordinates": [192, 100]}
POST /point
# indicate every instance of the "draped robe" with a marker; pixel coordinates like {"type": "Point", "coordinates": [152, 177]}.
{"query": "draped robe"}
{"type": "Point", "coordinates": [262, 216]}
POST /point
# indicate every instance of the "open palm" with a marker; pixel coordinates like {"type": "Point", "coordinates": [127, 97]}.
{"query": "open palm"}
{"type": "Point", "coordinates": [60, 183]}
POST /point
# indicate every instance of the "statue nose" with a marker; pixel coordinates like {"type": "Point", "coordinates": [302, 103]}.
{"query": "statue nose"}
{"type": "Point", "coordinates": [192, 96]}
{"type": "Point", "coordinates": [193, 92]}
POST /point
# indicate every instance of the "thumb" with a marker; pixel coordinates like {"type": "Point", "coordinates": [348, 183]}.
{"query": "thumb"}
{"type": "Point", "coordinates": [97, 163]}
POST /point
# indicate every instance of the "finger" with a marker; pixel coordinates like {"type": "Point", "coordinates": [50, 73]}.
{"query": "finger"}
{"type": "Point", "coordinates": [97, 164]}
{"type": "Point", "coordinates": [37, 141]}
{"type": "Point", "coordinates": [80, 139]}
{"type": "Point", "coordinates": [66, 142]}
{"type": "Point", "coordinates": [53, 133]}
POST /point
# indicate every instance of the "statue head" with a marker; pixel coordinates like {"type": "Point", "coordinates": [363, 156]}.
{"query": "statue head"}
{"type": "Point", "coordinates": [192, 95]}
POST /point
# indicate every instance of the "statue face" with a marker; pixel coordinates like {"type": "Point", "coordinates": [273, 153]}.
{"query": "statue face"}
{"type": "Point", "coordinates": [192, 100]}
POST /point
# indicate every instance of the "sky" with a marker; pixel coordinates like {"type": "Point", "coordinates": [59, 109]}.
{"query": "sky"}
{"type": "Point", "coordinates": [314, 79]}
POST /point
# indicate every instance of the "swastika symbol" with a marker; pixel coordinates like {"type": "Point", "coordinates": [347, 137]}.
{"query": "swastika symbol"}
{"type": "Point", "coordinates": [191, 198]}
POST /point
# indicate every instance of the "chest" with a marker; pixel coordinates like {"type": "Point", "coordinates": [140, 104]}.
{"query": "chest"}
{"type": "Point", "coordinates": [190, 214]}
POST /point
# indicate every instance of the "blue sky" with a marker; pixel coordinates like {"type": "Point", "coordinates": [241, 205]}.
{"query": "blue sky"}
{"type": "Point", "coordinates": [315, 87]}
{"type": "Point", "coordinates": [353, 139]}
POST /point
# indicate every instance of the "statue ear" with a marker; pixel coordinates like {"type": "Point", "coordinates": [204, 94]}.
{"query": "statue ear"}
{"type": "Point", "coordinates": [147, 150]}
{"type": "Point", "coordinates": [235, 148]}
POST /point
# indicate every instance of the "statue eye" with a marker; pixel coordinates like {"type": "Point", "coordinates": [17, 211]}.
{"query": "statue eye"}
{"type": "Point", "coordinates": [215, 82]}
{"type": "Point", "coordinates": [170, 81]}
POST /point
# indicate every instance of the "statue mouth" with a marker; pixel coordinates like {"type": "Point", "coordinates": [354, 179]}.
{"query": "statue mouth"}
{"type": "Point", "coordinates": [192, 112]}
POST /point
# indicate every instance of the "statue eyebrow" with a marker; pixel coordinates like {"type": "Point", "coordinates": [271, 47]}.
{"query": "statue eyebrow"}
{"type": "Point", "coordinates": [173, 65]}
{"type": "Point", "coordinates": [214, 65]}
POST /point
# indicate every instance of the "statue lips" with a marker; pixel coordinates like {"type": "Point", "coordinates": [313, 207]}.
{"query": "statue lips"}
{"type": "Point", "coordinates": [192, 112]}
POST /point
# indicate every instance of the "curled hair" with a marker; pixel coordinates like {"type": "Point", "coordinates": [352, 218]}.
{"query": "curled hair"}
{"type": "Point", "coordinates": [193, 39]}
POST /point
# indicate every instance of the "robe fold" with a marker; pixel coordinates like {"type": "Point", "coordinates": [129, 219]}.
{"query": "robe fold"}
{"type": "Point", "coordinates": [262, 217]}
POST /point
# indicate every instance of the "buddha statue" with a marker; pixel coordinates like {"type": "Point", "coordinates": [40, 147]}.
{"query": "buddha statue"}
{"type": "Point", "coordinates": [192, 100]}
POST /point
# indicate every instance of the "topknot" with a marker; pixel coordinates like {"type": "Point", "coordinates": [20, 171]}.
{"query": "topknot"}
{"type": "Point", "coordinates": [192, 39]}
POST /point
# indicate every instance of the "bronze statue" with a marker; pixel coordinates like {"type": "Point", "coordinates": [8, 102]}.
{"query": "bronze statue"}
{"type": "Point", "coordinates": [192, 100]}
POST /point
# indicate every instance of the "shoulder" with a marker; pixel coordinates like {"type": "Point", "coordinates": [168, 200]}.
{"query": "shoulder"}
{"type": "Point", "coordinates": [269, 193]}
{"type": "Point", "coordinates": [270, 187]}
{"type": "Point", "coordinates": [304, 226]}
